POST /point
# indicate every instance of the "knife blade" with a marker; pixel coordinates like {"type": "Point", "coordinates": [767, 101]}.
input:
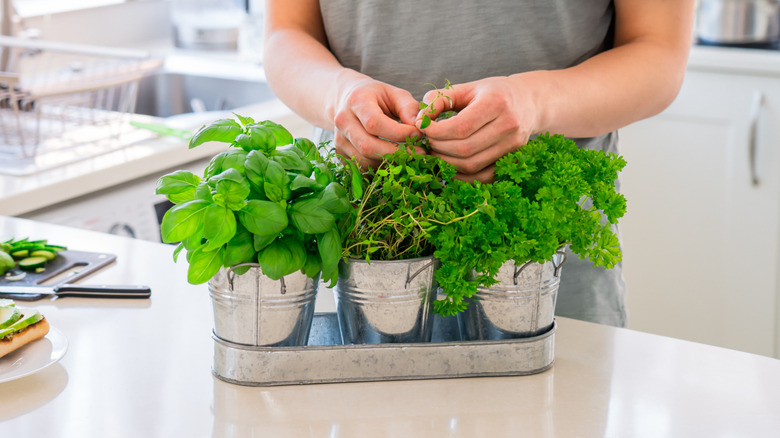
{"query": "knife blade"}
{"type": "Point", "coordinates": [79, 290]}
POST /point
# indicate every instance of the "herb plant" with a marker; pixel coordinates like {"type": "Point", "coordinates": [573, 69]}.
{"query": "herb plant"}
{"type": "Point", "coordinates": [402, 200]}
{"type": "Point", "coordinates": [268, 198]}
{"type": "Point", "coordinates": [548, 194]}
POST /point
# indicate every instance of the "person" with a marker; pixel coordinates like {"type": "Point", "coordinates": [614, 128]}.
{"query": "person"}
{"type": "Point", "coordinates": [357, 70]}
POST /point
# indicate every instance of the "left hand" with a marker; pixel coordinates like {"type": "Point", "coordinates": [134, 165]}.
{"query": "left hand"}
{"type": "Point", "coordinates": [495, 116]}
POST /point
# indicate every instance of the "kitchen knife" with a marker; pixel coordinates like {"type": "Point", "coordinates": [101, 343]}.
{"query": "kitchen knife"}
{"type": "Point", "coordinates": [77, 290]}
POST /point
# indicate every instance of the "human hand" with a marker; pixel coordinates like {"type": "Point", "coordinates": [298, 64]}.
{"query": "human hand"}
{"type": "Point", "coordinates": [495, 116]}
{"type": "Point", "coordinates": [367, 116]}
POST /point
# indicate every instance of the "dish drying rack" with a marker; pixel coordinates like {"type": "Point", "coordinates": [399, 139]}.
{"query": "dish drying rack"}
{"type": "Point", "coordinates": [62, 103]}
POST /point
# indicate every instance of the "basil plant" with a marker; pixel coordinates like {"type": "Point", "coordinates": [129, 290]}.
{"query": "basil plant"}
{"type": "Point", "coordinates": [268, 199]}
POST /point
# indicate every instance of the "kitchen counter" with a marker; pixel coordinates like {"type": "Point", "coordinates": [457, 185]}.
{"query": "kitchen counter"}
{"type": "Point", "coordinates": [143, 368]}
{"type": "Point", "coordinates": [143, 153]}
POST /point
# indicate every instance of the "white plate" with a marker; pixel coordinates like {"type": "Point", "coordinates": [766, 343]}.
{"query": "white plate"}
{"type": "Point", "coordinates": [34, 356]}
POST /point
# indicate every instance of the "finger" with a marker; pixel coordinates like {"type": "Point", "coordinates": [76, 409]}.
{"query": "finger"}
{"type": "Point", "coordinates": [472, 116]}
{"type": "Point", "coordinates": [346, 149]}
{"type": "Point", "coordinates": [485, 175]}
{"type": "Point", "coordinates": [406, 107]}
{"type": "Point", "coordinates": [377, 123]}
{"type": "Point", "coordinates": [368, 146]}
{"type": "Point", "coordinates": [477, 163]}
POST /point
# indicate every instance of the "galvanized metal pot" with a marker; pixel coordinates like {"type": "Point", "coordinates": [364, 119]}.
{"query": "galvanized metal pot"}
{"type": "Point", "coordinates": [521, 304]}
{"type": "Point", "coordinates": [386, 301]}
{"type": "Point", "coordinates": [252, 309]}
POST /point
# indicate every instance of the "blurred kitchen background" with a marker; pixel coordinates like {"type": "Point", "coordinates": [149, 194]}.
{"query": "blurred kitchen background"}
{"type": "Point", "coordinates": [97, 97]}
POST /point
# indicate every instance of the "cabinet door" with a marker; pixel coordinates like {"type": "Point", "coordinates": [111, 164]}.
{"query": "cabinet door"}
{"type": "Point", "coordinates": [701, 231]}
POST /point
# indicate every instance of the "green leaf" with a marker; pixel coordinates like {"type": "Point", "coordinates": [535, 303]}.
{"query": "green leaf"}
{"type": "Point", "coordinates": [260, 241]}
{"type": "Point", "coordinates": [255, 165]}
{"type": "Point", "coordinates": [203, 192]}
{"type": "Point", "coordinates": [426, 121]}
{"type": "Point", "coordinates": [232, 189]}
{"type": "Point", "coordinates": [281, 134]}
{"type": "Point", "coordinates": [278, 259]}
{"type": "Point", "coordinates": [304, 183]}
{"type": "Point", "coordinates": [183, 220]}
{"type": "Point", "coordinates": [312, 266]}
{"type": "Point", "coordinates": [223, 130]}
{"type": "Point", "coordinates": [308, 148]}
{"type": "Point", "coordinates": [244, 120]}
{"type": "Point", "coordinates": [263, 217]}
{"type": "Point", "coordinates": [260, 138]}
{"type": "Point", "coordinates": [310, 217]}
{"type": "Point", "coordinates": [219, 226]}
{"type": "Point", "coordinates": [356, 178]}
{"type": "Point", "coordinates": [276, 183]}
{"type": "Point", "coordinates": [240, 249]}
{"type": "Point", "coordinates": [178, 186]}
{"type": "Point", "coordinates": [329, 248]}
{"type": "Point", "coordinates": [204, 265]}
{"type": "Point", "coordinates": [334, 199]}
{"type": "Point", "coordinates": [290, 160]}
{"type": "Point", "coordinates": [176, 251]}
{"type": "Point", "coordinates": [323, 175]}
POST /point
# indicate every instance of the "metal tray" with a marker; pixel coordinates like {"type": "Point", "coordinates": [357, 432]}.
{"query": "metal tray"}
{"type": "Point", "coordinates": [327, 360]}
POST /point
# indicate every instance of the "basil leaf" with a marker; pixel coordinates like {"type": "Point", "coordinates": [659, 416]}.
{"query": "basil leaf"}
{"type": "Point", "coordinates": [203, 192]}
{"type": "Point", "coordinates": [312, 267]}
{"type": "Point", "coordinates": [204, 265]}
{"type": "Point", "coordinates": [297, 253]}
{"type": "Point", "coordinates": [282, 135]}
{"type": "Point", "coordinates": [240, 248]}
{"type": "Point", "coordinates": [276, 184]}
{"type": "Point", "coordinates": [275, 260]}
{"type": "Point", "coordinates": [356, 178]}
{"type": "Point", "coordinates": [246, 121]}
{"type": "Point", "coordinates": [231, 189]}
{"type": "Point", "coordinates": [183, 220]}
{"type": "Point", "coordinates": [219, 226]}
{"type": "Point", "coordinates": [304, 183]}
{"type": "Point", "coordinates": [229, 159]}
{"type": "Point", "coordinates": [334, 199]}
{"type": "Point", "coordinates": [290, 160]}
{"type": "Point", "coordinates": [178, 186]}
{"type": "Point", "coordinates": [323, 175]}
{"type": "Point", "coordinates": [177, 251]}
{"type": "Point", "coordinates": [224, 130]}
{"type": "Point", "coordinates": [261, 138]}
{"type": "Point", "coordinates": [329, 248]}
{"type": "Point", "coordinates": [309, 217]}
{"type": "Point", "coordinates": [260, 241]}
{"type": "Point", "coordinates": [263, 217]}
{"type": "Point", "coordinates": [255, 165]}
{"type": "Point", "coordinates": [308, 148]}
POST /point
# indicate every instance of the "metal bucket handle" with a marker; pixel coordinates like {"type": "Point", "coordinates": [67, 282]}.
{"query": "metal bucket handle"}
{"type": "Point", "coordinates": [254, 265]}
{"type": "Point", "coordinates": [556, 273]}
{"type": "Point", "coordinates": [419, 271]}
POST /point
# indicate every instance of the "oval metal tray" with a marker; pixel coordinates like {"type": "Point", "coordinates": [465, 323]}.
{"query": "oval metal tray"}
{"type": "Point", "coordinates": [325, 360]}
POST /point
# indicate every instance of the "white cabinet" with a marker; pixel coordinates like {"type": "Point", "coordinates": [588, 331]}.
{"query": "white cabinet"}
{"type": "Point", "coordinates": [701, 233]}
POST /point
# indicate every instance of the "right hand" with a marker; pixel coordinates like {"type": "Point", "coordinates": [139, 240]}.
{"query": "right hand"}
{"type": "Point", "coordinates": [367, 115]}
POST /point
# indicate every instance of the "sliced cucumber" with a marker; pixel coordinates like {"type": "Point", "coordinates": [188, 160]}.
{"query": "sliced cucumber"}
{"type": "Point", "coordinates": [20, 254]}
{"type": "Point", "coordinates": [32, 263]}
{"type": "Point", "coordinates": [49, 255]}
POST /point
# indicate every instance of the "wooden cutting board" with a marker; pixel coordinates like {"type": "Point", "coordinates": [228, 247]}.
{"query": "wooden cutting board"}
{"type": "Point", "coordinates": [67, 267]}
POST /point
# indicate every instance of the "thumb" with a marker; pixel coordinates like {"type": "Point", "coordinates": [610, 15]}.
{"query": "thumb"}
{"type": "Point", "coordinates": [436, 102]}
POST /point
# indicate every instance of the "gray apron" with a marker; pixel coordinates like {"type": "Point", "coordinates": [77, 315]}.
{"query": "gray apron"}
{"type": "Point", "coordinates": [414, 43]}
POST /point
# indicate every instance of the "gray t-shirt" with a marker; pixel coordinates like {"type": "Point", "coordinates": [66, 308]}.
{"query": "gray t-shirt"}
{"type": "Point", "coordinates": [417, 44]}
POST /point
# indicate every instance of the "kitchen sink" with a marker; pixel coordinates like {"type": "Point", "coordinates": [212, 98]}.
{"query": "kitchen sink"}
{"type": "Point", "coordinates": [165, 94]}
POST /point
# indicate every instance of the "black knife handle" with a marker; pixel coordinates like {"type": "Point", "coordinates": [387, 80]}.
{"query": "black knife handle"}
{"type": "Point", "coordinates": [103, 291]}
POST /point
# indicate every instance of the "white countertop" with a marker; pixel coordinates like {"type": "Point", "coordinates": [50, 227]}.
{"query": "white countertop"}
{"type": "Point", "coordinates": [143, 368]}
